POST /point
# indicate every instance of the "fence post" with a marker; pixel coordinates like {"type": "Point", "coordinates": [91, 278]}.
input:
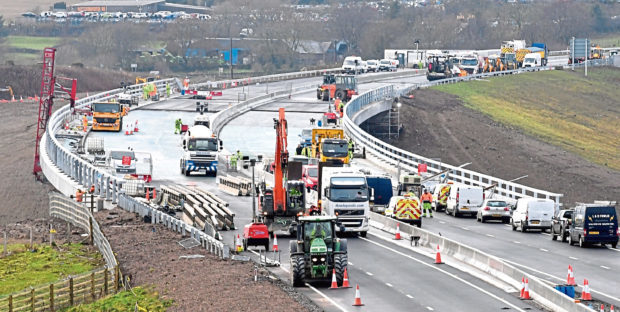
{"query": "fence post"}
{"type": "Point", "coordinates": [31, 299]}
{"type": "Point", "coordinates": [105, 281]}
{"type": "Point", "coordinates": [71, 291]}
{"type": "Point", "coordinates": [90, 226]}
{"type": "Point", "coordinates": [92, 285]}
{"type": "Point", "coordinates": [116, 277]}
{"type": "Point", "coordinates": [52, 297]}
{"type": "Point", "coordinates": [10, 303]}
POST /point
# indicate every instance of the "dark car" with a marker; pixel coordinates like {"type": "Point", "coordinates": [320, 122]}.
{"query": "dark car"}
{"type": "Point", "coordinates": [559, 224]}
{"type": "Point", "coordinates": [593, 224]}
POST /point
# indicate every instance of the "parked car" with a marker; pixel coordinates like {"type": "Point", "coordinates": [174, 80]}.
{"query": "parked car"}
{"type": "Point", "coordinates": [594, 224]}
{"type": "Point", "coordinates": [372, 65]}
{"type": "Point", "coordinates": [310, 176]}
{"type": "Point", "coordinates": [29, 14]}
{"type": "Point", "coordinates": [494, 209]}
{"type": "Point", "coordinates": [464, 199]}
{"type": "Point", "coordinates": [559, 224]}
{"type": "Point", "coordinates": [533, 213]}
{"type": "Point", "coordinates": [60, 14]}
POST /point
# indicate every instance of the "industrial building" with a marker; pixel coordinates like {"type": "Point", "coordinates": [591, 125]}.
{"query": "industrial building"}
{"type": "Point", "coordinates": [119, 6]}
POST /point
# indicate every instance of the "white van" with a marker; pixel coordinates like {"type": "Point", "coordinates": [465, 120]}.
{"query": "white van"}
{"type": "Point", "coordinates": [464, 199]}
{"type": "Point", "coordinates": [533, 213]}
{"type": "Point", "coordinates": [352, 65]}
{"type": "Point", "coordinates": [532, 60]}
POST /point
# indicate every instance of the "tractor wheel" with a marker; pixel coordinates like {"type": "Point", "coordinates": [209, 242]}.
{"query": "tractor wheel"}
{"type": "Point", "coordinates": [326, 95]}
{"type": "Point", "coordinates": [318, 95]}
{"type": "Point", "coordinates": [340, 94]}
{"type": "Point", "coordinates": [340, 263]}
{"type": "Point", "coordinates": [298, 270]}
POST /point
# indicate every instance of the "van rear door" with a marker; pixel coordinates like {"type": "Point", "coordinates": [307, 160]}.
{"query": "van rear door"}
{"type": "Point", "coordinates": [541, 211]}
{"type": "Point", "coordinates": [601, 221]}
{"type": "Point", "coordinates": [470, 197]}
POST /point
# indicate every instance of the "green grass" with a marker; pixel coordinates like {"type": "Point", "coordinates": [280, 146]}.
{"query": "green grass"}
{"type": "Point", "coordinates": [563, 108]}
{"type": "Point", "coordinates": [31, 42]}
{"type": "Point", "coordinates": [608, 41]}
{"type": "Point", "coordinates": [22, 268]}
{"type": "Point", "coordinates": [146, 299]}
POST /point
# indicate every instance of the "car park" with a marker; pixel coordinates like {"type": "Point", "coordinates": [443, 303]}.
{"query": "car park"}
{"type": "Point", "coordinates": [464, 199]}
{"type": "Point", "coordinates": [533, 213]}
{"type": "Point", "coordinates": [559, 224]}
{"type": "Point", "coordinates": [595, 223]}
{"type": "Point", "coordinates": [494, 209]}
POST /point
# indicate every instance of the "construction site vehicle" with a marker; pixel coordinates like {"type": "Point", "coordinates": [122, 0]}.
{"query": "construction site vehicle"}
{"type": "Point", "coordinates": [10, 90]}
{"type": "Point", "coordinates": [200, 151]}
{"type": "Point", "coordinates": [154, 75]}
{"type": "Point", "coordinates": [439, 67]}
{"type": "Point", "coordinates": [317, 252]}
{"type": "Point", "coordinates": [255, 234]}
{"type": "Point", "coordinates": [493, 63]}
{"type": "Point", "coordinates": [279, 206]}
{"type": "Point", "coordinates": [469, 64]}
{"type": "Point", "coordinates": [409, 183]}
{"type": "Point", "coordinates": [328, 144]}
{"type": "Point", "coordinates": [345, 194]}
{"type": "Point", "coordinates": [596, 52]}
{"type": "Point", "coordinates": [406, 208]}
{"type": "Point", "coordinates": [337, 86]}
{"type": "Point", "coordinates": [108, 116]}
{"type": "Point", "coordinates": [128, 99]}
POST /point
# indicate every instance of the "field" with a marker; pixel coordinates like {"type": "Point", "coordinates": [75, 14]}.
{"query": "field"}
{"type": "Point", "coordinates": [608, 41]}
{"type": "Point", "coordinates": [145, 298]}
{"type": "Point", "coordinates": [24, 50]}
{"type": "Point", "coordinates": [23, 268]}
{"type": "Point", "coordinates": [576, 113]}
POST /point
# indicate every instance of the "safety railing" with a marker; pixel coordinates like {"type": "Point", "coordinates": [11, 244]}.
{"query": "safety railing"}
{"type": "Point", "coordinates": [265, 79]}
{"type": "Point", "coordinates": [410, 161]}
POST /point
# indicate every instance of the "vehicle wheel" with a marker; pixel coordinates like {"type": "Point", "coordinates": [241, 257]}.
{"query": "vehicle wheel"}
{"type": "Point", "coordinates": [482, 219]}
{"type": "Point", "coordinates": [325, 96]}
{"type": "Point", "coordinates": [582, 244]}
{"type": "Point", "coordinates": [266, 246]}
{"type": "Point", "coordinates": [514, 227]}
{"type": "Point", "coordinates": [570, 240]}
{"type": "Point", "coordinates": [318, 95]}
{"type": "Point", "coordinates": [245, 244]}
{"type": "Point", "coordinates": [363, 234]}
{"type": "Point", "coordinates": [182, 170]}
{"type": "Point", "coordinates": [187, 172]}
{"type": "Point", "coordinates": [477, 218]}
{"type": "Point", "coordinates": [614, 245]}
{"type": "Point", "coordinates": [563, 237]}
{"type": "Point", "coordinates": [340, 94]}
{"type": "Point", "coordinates": [298, 270]}
{"type": "Point", "coordinates": [340, 263]}
{"type": "Point", "coordinates": [419, 223]}
{"type": "Point", "coordinates": [554, 237]}
{"type": "Point", "coordinates": [523, 228]}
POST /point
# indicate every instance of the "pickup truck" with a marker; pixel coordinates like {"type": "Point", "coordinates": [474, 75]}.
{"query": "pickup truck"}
{"type": "Point", "coordinates": [559, 224]}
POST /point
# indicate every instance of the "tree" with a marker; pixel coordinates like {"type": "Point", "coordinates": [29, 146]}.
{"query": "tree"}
{"type": "Point", "coordinates": [3, 30]}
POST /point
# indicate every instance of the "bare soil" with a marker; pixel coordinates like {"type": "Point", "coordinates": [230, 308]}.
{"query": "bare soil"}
{"type": "Point", "coordinates": [150, 255]}
{"type": "Point", "coordinates": [438, 125]}
{"type": "Point", "coordinates": [19, 232]}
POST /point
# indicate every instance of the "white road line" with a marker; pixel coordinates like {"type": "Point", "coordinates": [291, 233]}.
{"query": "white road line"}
{"type": "Point", "coordinates": [442, 222]}
{"type": "Point", "coordinates": [543, 233]}
{"type": "Point", "coordinates": [490, 235]}
{"type": "Point", "coordinates": [516, 242]}
{"type": "Point", "coordinates": [543, 249]}
{"type": "Point", "coordinates": [370, 274]}
{"type": "Point", "coordinates": [328, 298]}
{"type": "Point", "coordinates": [350, 263]}
{"type": "Point", "coordinates": [410, 296]}
{"type": "Point", "coordinates": [604, 267]}
{"type": "Point", "coordinates": [389, 285]}
{"type": "Point", "coordinates": [430, 309]}
{"type": "Point", "coordinates": [464, 228]}
{"type": "Point", "coordinates": [558, 278]}
{"type": "Point", "coordinates": [573, 258]}
{"type": "Point", "coordinates": [614, 249]}
{"type": "Point", "coordinates": [434, 267]}
{"type": "Point", "coordinates": [508, 225]}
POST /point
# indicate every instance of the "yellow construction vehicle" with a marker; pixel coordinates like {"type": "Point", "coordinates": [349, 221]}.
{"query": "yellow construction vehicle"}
{"type": "Point", "coordinates": [329, 144]}
{"type": "Point", "coordinates": [153, 75]}
{"type": "Point", "coordinates": [10, 90]}
{"type": "Point", "coordinates": [108, 116]}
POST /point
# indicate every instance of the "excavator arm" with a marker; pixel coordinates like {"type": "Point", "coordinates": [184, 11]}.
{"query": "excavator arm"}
{"type": "Point", "coordinates": [281, 162]}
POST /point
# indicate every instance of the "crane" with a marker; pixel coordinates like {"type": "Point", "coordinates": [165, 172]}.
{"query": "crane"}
{"type": "Point", "coordinates": [46, 100]}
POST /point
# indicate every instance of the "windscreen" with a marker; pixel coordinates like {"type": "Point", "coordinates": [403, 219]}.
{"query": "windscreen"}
{"type": "Point", "coordinates": [348, 189]}
{"type": "Point", "coordinates": [202, 145]}
{"type": "Point", "coordinates": [497, 204]}
{"type": "Point", "coordinates": [318, 230]}
{"type": "Point", "coordinates": [106, 107]}
{"type": "Point", "coordinates": [313, 172]}
{"type": "Point", "coordinates": [385, 62]}
{"type": "Point", "coordinates": [372, 63]}
{"type": "Point", "coordinates": [469, 62]}
{"type": "Point", "coordinates": [333, 149]}
{"type": "Point", "coordinates": [121, 154]}
{"type": "Point", "coordinates": [530, 60]}
{"type": "Point", "coordinates": [349, 62]}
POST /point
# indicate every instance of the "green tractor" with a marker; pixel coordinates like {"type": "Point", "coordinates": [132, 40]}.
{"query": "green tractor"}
{"type": "Point", "coordinates": [317, 251]}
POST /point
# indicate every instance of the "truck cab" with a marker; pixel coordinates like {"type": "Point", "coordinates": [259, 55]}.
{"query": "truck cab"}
{"type": "Point", "coordinates": [532, 60]}
{"type": "Point", "coordinates": [200, 151]}
{"type": "Point", "coordinates": [334, 150]}
{"type": "Point", "coordinates": [108, 116]}
{"type": "Point", "coordinates": [346, 195]}
{"type": "Point", "coordinates": [352, 65]}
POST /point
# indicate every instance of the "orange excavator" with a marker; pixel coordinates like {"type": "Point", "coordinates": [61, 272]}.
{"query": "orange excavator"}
{"type": "Point", "coordinates": [280, 205]}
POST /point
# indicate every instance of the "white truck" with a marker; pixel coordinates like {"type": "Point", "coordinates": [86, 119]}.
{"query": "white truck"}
{"type": "Point", "coordinates": [532, 60]}
{"type": "Point", "coordinates": [345, 194]}
{"type": "Point", "coordinates": [470, 64]}
{"type": "Point", "coordinates": [352, 65]}
{"type": "Point", "coordinates": [200, 151]}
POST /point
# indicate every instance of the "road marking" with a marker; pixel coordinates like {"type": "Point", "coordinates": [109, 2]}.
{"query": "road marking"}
{"type": "Point", "coordinates": [508, 225]}
{"type": "Point", "coordinates": [442, 222]}
{"type": "Point", "coordinates": [545, 233]}
{"type": "Point", "coordinates": [389, 285]}
{"type": "Point", "coordinates": [444, 272]}
{"type": "Point", "coordinates": [490, 235]}
{"type": "Point", "coordinates": [410, 296]}
{"type": "Point", "coordinates": [573, 258]}
{"type": "Point", "coordinates": [464, 228]}
{"type": "Point", "coordinates": [558, 278]}
{"type": "Point", "coordinates": [604, 267]}
{"type": "Point", "coordinates": [430, 309]}
{"type": "Point", "coordinates": [543, 249]}
{"type": "Point", "coordinates": [614, 249]}
{"type": "Point", "coordinates": [516, 242]}
{"type": "Point", "coordinates": [350, 263]}
{"type": "Point", "coordinates": [328, 298]}
{"type": "Point", "coordinates": [370, 274]}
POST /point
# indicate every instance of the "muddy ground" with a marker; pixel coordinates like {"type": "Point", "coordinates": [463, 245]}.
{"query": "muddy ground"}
{"type": "Point", "coordinates": [439, 126]}
{"type": "Point", "coordinates": [150, 255]}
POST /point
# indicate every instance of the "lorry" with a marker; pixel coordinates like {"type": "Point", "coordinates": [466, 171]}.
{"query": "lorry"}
{"type": "Point", "coordinates": [469, 63]}
{"type": "Point", "coordinates": [200, 151]}
{"type": "Point", "coordinates": [532, 60]}
{"type": "Point", "coordinates": [108, 116]}
{"type": "Point", "coordinates": [352, 65]}
{"type": "Point", "coordinates": [128, 99]}
{"type": "Point", "coordinates": [345, 195]}
{"type": "Point", "coordinates": [328, 144]}
{"type": "Point", "coordinates": [439, 67]}
{"type": "Point", "coordinates": [343, 87]}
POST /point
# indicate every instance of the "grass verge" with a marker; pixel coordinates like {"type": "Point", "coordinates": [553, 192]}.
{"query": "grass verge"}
{"type": "Point", "coordinates": [579, 114]}
{"type": "Point", "coordinates": [145, 298]}
{"type": "Point", "coordinates": [31, 42]}
{"type": "Point", "coordinates": [23, 268]}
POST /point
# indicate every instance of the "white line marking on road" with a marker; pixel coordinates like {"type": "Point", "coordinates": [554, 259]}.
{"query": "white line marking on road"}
{"type": "Point", "coordinates": [430, 309]}
{"type": "Point", "coordinates": [545, 234]}
{"type": "Point", "coordinates": [508, 225]}
{"type": "Point", "coordinates": [490, 235]}
{"type": "Point", "coordinates": [604, 267]}
{"type": "Point", "coordinates": [445, 272]}
{"type": "Point", "coordinates": [516, 242]}
{"type": "Point", "coordinates": [370, 274]}
{"type": "Point", "coordinates": [389, 285]}
{"type": "Point", "coordinates": [543, 249]}
{"type": "Point", "coordinates": [570, 257]}
{"type": "Point", "coordinates": [328, 298]}
{"type": "Point", "coordinates": [442, 222]}
{"type": "Point", "coordinates": [410, 296]}
{"type": "Point", "coordinates": [350, 263]}
{"type": "Point", "coordinates": [464, 228]}
{"type": "Point", "coordinates": [557, 278]}
{"type": "Point", "coordinates": [614, 249]}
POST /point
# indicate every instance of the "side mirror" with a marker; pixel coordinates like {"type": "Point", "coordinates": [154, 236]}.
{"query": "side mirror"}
{"type": "Point", "coordinates": [326, 192]}
{"type": "Point", "coordinates": [184, 144]}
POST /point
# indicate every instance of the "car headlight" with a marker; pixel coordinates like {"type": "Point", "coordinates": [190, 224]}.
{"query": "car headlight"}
{"type": "Point", "coordinates": [314, 259]}
{"type": "Point", "coordinates": [322, 259]}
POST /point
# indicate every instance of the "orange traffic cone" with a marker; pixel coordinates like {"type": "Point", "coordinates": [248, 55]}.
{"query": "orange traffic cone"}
{"type": "Point", "coordinates": [345, 279]}
{"type": "Point", "coordinates": [438, 256]}
{"type": "Point", "coordinates": [21, 99]}
{"type": "Point", "coordinates": [570, 279]}
{"type": "Point", "coordinates": [334, 281]}
{"type": "Point", "coordinates": [275, 242]}
{"type": "Point", "coordinates": [135, 129]}
{"type": "Point", "coordinates": [522, 287]}
{"type": "Point", "coordinates": [611, 308]}
{"type": "Point", "coordinates": [397, 235]}
{"type": "Point", "coordinates": [238, 244]}
{"type": "Point", "coordinates": [526, 291]}
{"type": "Point", "coordinates": [602, 307]}
{"type": "Point", "coordinates": [148, 194]}
{"type": "Point", "coordinates": [66, 125]}
{"type": "Point", "coordinates": [154, 193]}
{"type": "Point", "coordinates": [126, 130]}
{"type": "Point", "coordinates": [585, 295]}
{"type": "Point", "coordinates": [358, 299]}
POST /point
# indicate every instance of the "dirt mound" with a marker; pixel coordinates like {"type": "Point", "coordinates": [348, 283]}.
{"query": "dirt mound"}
{"type": "Point", "coordinates": [150, 255]}
{"type": "Point", "coordinates": [437, 125]}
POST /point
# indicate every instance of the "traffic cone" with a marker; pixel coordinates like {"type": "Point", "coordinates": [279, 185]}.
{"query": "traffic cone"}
{"type": "Point", "coordinates": [154, 193]}
{"type": "Point", "coordinates": [334, 281]}
{"type": "Point", "coordinates": [238, 244]}
{"type": "Point", "coordinates": [126, 130]}
{"type": "Point", "coordinates": [602, 307]}
{"type": "Point", "coordinates": [148, 195]}
{"type": "Point", "coordinates": [135, 129]}
{"type": "Point", "coordinates": [570, 279]}
{"type": "Point", "coordinates": [358, 299]}
{"type": "Point", "coordinates": [438, 256]}
{"type": "Point", "coordinates": [526, 291]}
{"type": "Point", "coordinates": [611, 308]}
{"type": "Point", "coordinates": [66, 125]}
{"type": "Point", "coordinates": [345, 279]}
{"type": "Point", "coordinates": [585, 295]}
{"type": "Point", "coordinates": [21, 99]}
{"type": "Point", "coordinates": [397, 236]}
{"type": "Point", "coordinates": [275, 242]}
{"type": "Point", "coordinates": [522, 287]}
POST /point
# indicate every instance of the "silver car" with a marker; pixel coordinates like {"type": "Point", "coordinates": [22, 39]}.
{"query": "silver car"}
{"type": "Point", "coordinates": [494, 209]}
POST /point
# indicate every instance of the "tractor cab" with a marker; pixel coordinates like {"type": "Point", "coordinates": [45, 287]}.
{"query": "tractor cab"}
{"type": "Point", "coordinates": [329, 79]}
{"type": "Point", "coordinates": [347, 82]}
{"type": "Point", "coordinates": [337, 86]}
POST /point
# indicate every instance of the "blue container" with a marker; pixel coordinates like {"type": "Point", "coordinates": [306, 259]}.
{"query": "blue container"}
{"type": "Point", "coordinates": [567, 290]}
